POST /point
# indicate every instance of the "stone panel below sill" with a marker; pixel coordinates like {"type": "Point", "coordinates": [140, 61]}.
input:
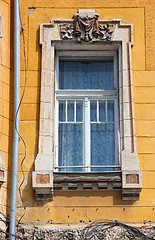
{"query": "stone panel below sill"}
{"type": "Point", "coordinates": [87, 181]}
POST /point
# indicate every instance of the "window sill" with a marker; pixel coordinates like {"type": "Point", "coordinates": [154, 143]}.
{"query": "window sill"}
{"type": "Point", "coordinates": [87, 181]}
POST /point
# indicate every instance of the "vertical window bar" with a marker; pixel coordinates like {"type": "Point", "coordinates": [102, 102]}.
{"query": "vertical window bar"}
{"type": "Point", "coordinates": [106, 111]}
{"type": "Point", "coordinates": [66, 111]}
{"type": "Point", "coordinates": [75, 111]}
{"type": "Point", "coordinates": [97, 111]}
{"type": "Point", "coordinates": [117, 143]}
{"type": "Point", "coordinates": [56, 135]}
{"type": "Point", "coordinates": [87, 134]}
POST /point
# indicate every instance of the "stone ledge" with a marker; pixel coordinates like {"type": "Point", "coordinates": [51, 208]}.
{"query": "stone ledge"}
{"type": "Point", "coordinates": [87, 181]}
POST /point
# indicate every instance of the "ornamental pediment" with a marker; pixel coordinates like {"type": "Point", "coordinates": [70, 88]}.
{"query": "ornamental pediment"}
{"type": "Point", "coordinates": [86, 27]}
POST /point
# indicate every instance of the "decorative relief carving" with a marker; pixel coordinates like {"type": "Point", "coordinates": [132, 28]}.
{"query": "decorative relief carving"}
{"type": "Point", "coordinates": [105, 31]}
{"type": "Point", "coordinates": [86, 27]}
{"type": "Point", "coordinates": [66, 31]}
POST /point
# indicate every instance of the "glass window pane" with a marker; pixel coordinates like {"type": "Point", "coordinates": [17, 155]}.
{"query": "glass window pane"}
{"type": "Point", "coordinates": [70, 111]}
{"type": "Point", "coordinates": [102, 145]}
{"type": "Point", "coordinates": [110, 109]}
{"type": "Point", "coordinates": [79, 111]}
{"type": "Point", "coordinates": [70, 146]}
{"type": "Point", "coordinates": [102, 111]}
{"type": "Point", "coordinates": [93, 111]}
{"type": "Point", "coordinates": [86, 74]}
{"type": "Point", "coordinates": [62, 111]}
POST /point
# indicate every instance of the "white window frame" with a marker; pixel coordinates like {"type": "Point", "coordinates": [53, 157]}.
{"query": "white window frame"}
{"type": "Point", "coordinates": [90, 95]}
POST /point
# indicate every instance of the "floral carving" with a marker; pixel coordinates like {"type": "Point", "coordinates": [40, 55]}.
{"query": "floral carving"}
{"type": "Point", "coordinates": [105, 31]}
{"type": "Point", "coordinates": [67, 31]}
{"type": "Point", "coordinates": [86, 27]}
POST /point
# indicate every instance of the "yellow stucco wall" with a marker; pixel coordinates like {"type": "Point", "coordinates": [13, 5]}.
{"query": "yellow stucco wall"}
{"type": "Point", "coordinates": [71, 207]}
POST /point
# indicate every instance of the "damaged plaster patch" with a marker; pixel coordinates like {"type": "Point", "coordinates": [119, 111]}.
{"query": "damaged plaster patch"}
{"type": "Point", "coordinates": [31, 10]}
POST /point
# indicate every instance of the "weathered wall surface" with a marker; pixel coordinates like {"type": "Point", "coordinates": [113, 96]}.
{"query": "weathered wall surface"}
{"type": "Point", "coordinates": [5, 100]}
{"type": "Point", "coordinates": [86, 206]}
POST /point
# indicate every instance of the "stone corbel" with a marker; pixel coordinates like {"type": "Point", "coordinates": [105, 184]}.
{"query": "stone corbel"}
{"type": "Point", "coordinates": [42, 182]}
{"type": "Point", "coordinates": [131, 176]}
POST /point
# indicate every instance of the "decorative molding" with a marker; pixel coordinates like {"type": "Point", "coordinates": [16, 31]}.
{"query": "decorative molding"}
{"type": "Point", "coordinates": [100, 35]}
{"type": "Point", "coordinates": [86, 27]}
{"type": "Point", "coordinates": [87, 181]}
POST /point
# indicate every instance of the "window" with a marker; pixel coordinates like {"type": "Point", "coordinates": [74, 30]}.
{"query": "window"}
{"type": "Point", "coordinates": [86, 124]}
{"type": "Point", "coordinates": [91, 131]}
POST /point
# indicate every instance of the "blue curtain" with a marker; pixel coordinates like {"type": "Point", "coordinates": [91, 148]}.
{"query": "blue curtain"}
{"type": "Point", "coordinates": [71, 134]}
{"type": "Point", "coordinates": [71, 146]}
{"type": "Point", "coordinates": [102, 134]}
{"type": "Point", "coordinates": [86, 75]}
{"type": "Point", "coordinates": [102, 146]}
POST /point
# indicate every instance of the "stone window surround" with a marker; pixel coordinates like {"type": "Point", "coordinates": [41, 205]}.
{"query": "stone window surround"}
{"type": "Point", "coordinates": [51, 42]}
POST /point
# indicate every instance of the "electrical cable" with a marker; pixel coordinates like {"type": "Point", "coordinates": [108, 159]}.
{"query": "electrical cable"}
{"type": "Point", "coordinates": [100, 226]}
{"type": "Point", "coordinates": [7, 233]}
{"type": "Point", "coordinates": [97, 230]}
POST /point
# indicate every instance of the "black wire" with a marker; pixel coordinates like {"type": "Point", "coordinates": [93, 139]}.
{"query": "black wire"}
{"type": "Point", "coordinates": [134, 230]}
{"type": "Point", "coordinates": [100, 225]}
{"type": "Point", "coordinates": [11, 235]}
{"type": "Point", "coordinates": [97, 228]}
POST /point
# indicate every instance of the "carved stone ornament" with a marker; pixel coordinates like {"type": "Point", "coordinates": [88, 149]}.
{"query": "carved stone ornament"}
{"type": "Point", "coordinates": [86, 27]}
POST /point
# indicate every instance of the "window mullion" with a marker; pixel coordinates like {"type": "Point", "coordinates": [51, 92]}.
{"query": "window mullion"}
{"type": "Point", "coordinates": [97, 111]}
{"type": "Point", "coordinates": [75, 111]}
{"type": "Point", "coordinates": [87, 134]}
{"type": "Point", "coordinates": [56, 134]}
{"type": "Point", "coordinates": [66, 110]}
{"type": "Point", "coordinates": [116, 133]}
{"type": "Point", "coordinates": [106, 111]}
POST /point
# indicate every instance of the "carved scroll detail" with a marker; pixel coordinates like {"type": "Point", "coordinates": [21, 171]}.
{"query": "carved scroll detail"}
{"type": "Point", "coordinates": [86, 27]}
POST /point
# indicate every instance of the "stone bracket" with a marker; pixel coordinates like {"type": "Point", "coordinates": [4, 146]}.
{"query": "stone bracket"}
{"type": "Point", "coordinates": [42, 182]}
{"type": "Point", "coordinates": [131, 176]}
